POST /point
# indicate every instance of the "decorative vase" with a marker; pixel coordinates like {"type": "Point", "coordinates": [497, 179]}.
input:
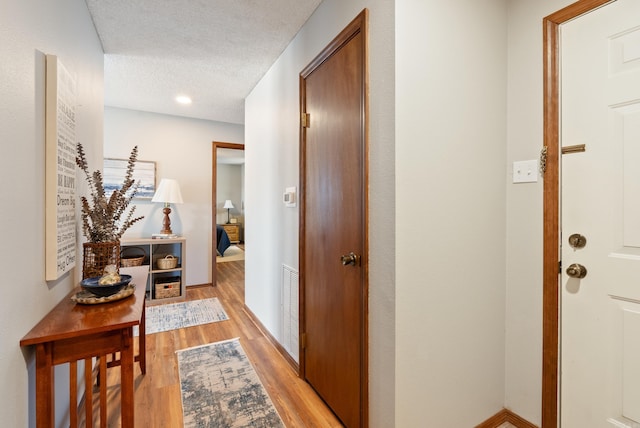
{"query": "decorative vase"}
{"type": "Point", "coordinates": [97, 255]}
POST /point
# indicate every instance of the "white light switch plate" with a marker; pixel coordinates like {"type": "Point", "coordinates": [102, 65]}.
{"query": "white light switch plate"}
{"type": "Point", "coordinates": [289, 197]}
{"type": "Point", "coordinates": [525, 171]}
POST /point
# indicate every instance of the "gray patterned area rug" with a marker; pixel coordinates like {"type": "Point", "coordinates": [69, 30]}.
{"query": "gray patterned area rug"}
{"type": "Point", "coordinates": [184, 314]}
{"type": "Point", "coordinates": [221, 389]}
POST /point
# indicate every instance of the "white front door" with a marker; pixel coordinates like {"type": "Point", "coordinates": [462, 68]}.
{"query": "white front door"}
{"type": "Point", "coordinates": [600, 193]}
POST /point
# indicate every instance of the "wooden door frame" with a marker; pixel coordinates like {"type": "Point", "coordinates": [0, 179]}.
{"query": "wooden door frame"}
{"type": "Point", "coordinates": [214, 193]}
{"type": "Point", "coordinates": [551, 205]}
{"type": "Point", "coordinates": [358, 25]}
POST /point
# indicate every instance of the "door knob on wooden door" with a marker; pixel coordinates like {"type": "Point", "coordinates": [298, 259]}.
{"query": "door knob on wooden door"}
{"type": "Point", "coordinates": [576, 270]}
{"type": "Point", "coordinates": [350, 259]}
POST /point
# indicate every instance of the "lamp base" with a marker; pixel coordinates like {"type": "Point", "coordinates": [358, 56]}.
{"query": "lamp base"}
{"type": "Point", "coordinates": [166, 223]}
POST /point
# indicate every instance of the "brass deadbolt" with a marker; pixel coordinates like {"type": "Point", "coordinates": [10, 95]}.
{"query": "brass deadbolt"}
{"type": "Point", "coordinates": [577, 241]}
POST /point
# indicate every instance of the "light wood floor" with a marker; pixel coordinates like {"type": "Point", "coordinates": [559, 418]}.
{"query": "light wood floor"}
{"type": "Point", "coordinates": [158, 400]}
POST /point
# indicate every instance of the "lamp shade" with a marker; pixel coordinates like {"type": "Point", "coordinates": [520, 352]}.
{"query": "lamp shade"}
{"type": "Point", "coordinates": [228, 204]}
{"type": "Point", "coordinates": [168, 192]}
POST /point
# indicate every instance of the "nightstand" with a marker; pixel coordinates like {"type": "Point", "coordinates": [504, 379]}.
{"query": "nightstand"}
{"type": "Point", "coordinates": [233, 230]}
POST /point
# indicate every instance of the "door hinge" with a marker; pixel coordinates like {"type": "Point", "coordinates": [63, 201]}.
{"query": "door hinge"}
{"type": "Point", "coordinates": [305, 119]}
{"type": "Point", "coordinates": [560, 266]}
{"type": "Point", "coordinates": [303, 340]}
{"type": "Point", "coordinates": [543, 160]}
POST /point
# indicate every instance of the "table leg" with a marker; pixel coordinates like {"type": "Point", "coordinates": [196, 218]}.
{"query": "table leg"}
{"type": "Point", "coordinates": [142, 340]}
{"type": "Point", "coordinates": [45, 408]}
{"type": "Point", "coordinates": [73, 393]}
{"type": "Point", "coordinates": [126, 378]}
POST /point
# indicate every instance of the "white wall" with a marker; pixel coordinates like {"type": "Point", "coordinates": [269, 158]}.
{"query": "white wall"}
{"type": "Point", "coordinates": [450, 211]}
{"type": "Point", "coordinates": [523, 370]}
{"type": "Point", "coordinates": [29, 30]}
{"type": "Point", "coordinates": [272, 141]}
{"type": "Point", "coordinates": [181, 148]}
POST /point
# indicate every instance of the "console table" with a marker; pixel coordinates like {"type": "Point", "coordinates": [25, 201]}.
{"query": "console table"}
{"type": "Point", "coordinates": [73, 332]}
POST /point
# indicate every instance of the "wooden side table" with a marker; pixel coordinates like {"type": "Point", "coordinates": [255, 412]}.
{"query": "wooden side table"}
{"type": "Point", "coordinates": [233, 230]}
{"type": "Point", "coordinates": [73, 332]}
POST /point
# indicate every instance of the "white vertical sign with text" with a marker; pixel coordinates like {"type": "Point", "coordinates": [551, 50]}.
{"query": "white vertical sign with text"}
{"type": "Point", "coordinates": [60, 170]}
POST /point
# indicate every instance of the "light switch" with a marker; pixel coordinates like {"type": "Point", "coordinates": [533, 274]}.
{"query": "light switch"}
{"type": "Point", "coordinates": [289, 197]}
{"type": "Point", "coordinates": [525, 171]}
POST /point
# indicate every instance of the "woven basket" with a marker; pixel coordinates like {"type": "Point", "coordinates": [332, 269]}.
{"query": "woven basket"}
{"type": "Point", "coordinates": [132, 260]}
{"type": "Point", "coordinates": [166, 287]}
{"type": "Point", "coordinates": [97, 255]}
{"type": "Point", "coordinates": [169, 262]}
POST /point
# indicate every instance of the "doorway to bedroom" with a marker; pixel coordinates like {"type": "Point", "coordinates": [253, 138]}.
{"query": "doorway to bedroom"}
{"type": "Point", "coordinates": [228, 240]}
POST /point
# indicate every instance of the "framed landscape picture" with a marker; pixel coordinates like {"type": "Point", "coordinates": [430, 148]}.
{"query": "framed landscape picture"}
{"type": "Point", "coordinates": [144, 174]}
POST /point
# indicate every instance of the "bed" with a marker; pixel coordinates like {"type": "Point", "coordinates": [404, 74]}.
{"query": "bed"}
{"type": "Point", "coordinates": [222, 240]}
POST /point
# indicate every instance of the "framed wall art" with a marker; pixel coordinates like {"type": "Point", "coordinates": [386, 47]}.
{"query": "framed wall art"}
{"type": "Point", "coordinates": [144, 174]}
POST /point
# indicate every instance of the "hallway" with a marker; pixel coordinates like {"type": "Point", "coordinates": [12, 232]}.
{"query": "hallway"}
{"type": "Point", "coordinates": [157, 394]}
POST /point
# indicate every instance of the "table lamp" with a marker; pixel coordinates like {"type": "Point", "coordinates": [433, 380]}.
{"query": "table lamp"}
{"type": "Point", "coordinates": [228, 205]}
{"type": "Point", "coordinates": [168, 193]}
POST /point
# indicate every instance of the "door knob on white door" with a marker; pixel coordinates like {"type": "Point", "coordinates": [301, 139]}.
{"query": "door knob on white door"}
{"type": "Point", "coordinates": [576, 270]}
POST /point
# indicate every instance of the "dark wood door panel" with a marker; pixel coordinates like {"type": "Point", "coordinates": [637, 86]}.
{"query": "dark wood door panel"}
{"type": "Point", "coordinates": [333, 224]}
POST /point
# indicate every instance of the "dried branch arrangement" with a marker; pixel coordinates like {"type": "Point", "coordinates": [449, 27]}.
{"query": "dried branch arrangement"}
{"type": "Point", "coordinates": [102, 219]}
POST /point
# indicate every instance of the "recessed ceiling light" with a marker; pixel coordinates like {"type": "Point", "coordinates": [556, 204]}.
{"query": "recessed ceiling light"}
{"type": "Point", "coordinates": [183, 99]}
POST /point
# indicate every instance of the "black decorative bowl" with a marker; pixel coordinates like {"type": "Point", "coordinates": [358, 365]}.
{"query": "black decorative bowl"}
{"type": "Point", "coordinates": [91, 284]}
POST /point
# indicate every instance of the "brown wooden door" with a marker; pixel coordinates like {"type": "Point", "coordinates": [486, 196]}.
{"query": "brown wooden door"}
{"type": "Point", "coordinates": [333, 224]}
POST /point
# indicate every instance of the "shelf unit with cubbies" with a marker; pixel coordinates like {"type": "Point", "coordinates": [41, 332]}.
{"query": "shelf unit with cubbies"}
{"type": "Point", "coordinates": [162, 284]}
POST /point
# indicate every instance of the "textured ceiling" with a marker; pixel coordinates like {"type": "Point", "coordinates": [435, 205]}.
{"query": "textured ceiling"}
{"type": "Point", "coordinates": [214, 51]}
